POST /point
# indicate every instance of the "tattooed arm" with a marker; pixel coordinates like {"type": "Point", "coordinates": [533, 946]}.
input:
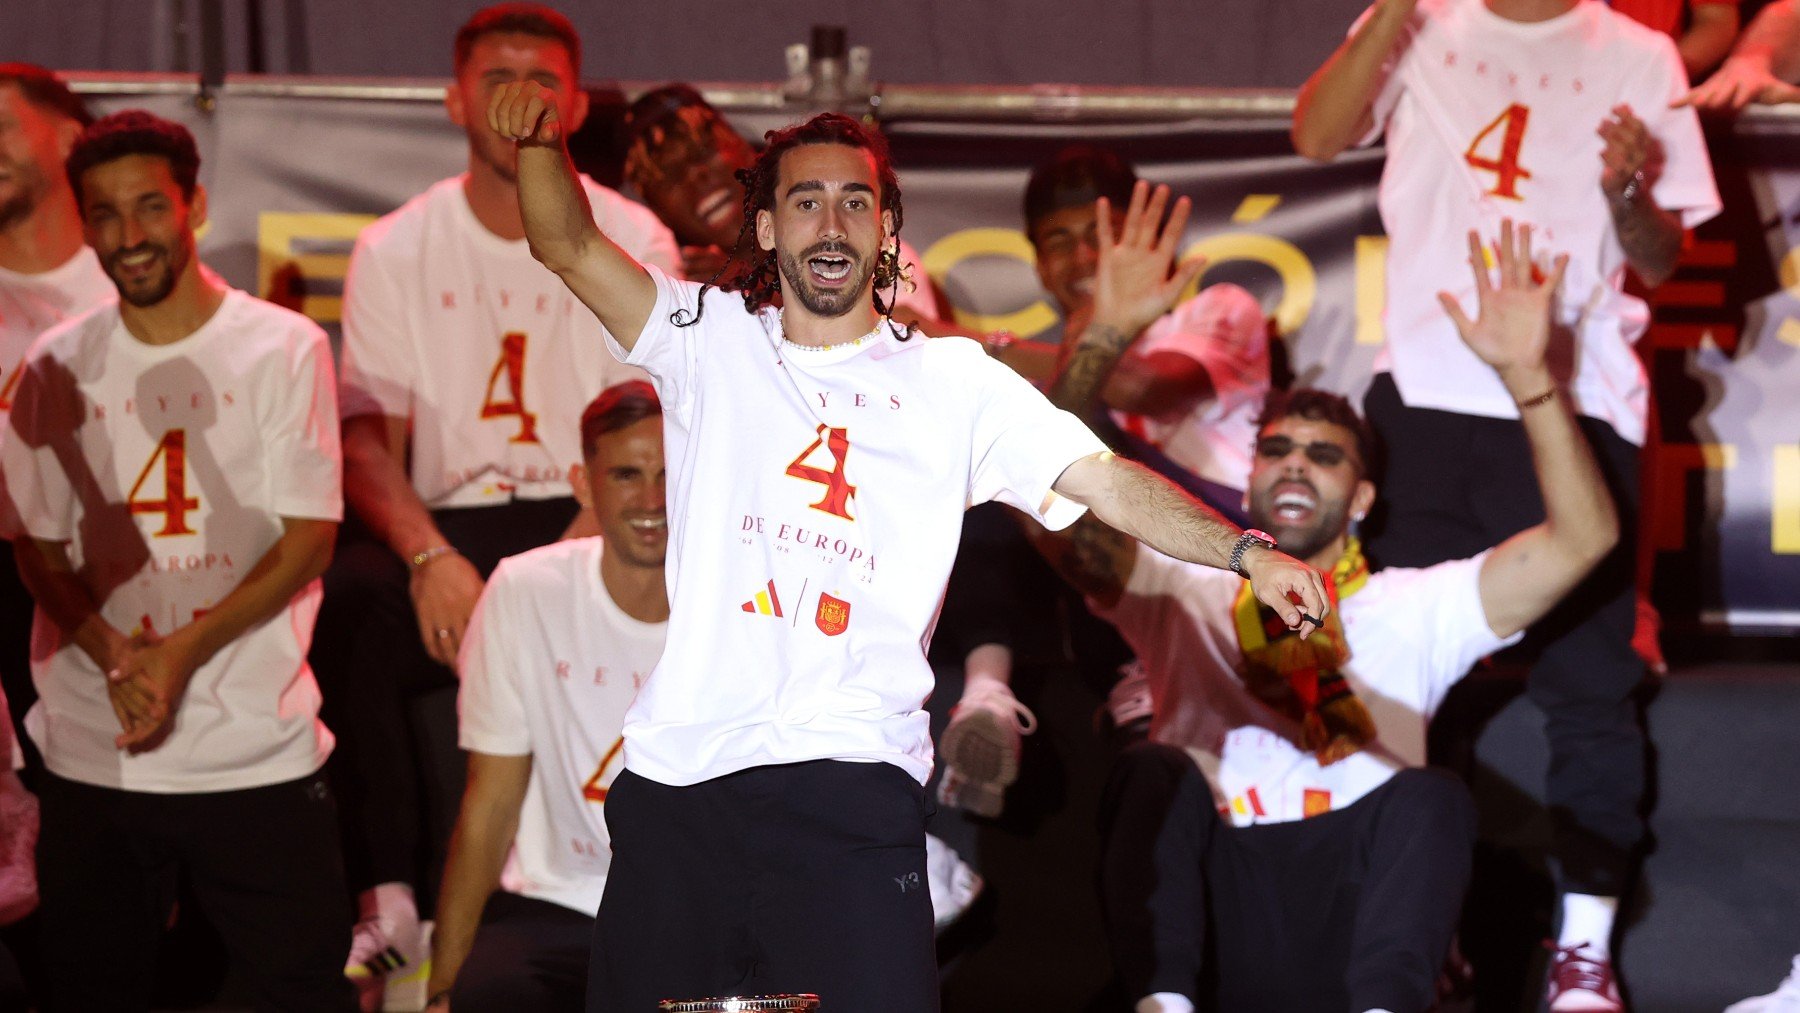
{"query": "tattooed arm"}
{"type": "Point", "coordinates": [1630, 166]}
{"type": "Point", "coordinates": [1133, 285]}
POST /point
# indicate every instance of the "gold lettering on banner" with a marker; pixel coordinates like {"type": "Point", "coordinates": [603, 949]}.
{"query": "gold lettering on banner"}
{"type": "Point", "coordinates": [1371, 289]}
{"type": "Point", "coordinates": [1299, 282]}
{"type": "Point", "coordinates": [283, 273]}
{"type": "Point", "coordinates": [943, 257]}
{"type": "Point", "coordinates": [1784, 501]}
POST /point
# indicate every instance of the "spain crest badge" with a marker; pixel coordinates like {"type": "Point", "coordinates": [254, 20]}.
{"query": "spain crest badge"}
{"type": "Point", "coordinates": [834, 615]}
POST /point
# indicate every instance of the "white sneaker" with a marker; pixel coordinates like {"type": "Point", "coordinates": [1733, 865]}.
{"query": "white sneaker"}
{"type": "Point", "coordinates": [954, 884]}
{"type": "Point", "coordinates": [1785, 998]}
{"type": "Point", "coordinates": [405, 990]}
{"type": "Point", "coordinates": [385, 952]}
{"type": "Point", "coordinates": [981, 747]}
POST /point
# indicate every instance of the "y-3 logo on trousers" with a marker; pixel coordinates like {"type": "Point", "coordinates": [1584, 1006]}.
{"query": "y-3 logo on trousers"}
{"type": "Point", "coordinates": [910, 881]}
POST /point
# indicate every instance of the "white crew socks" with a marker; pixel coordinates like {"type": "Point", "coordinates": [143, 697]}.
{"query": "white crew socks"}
{"type": "Point", "coordinates": [1587, 919]}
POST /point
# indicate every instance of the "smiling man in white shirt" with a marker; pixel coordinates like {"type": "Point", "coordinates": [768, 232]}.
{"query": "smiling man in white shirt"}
{"type": "Point", "coordinates": [463, 360]}
{"type": "Point", "coordinates": [1557, 113]}
{"type": "Point", "coordinates": [1278, 812]}
{"type": "Point", "coordinates": [174, 458]}
{"type": "Point", "coordinates": [820, 461]}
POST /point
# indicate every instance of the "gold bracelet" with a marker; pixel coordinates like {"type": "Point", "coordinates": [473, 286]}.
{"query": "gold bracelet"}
{"type": "Point", "coordinates": [1533, 402]}
{"type": "Point", "coordinates": [424, 556]}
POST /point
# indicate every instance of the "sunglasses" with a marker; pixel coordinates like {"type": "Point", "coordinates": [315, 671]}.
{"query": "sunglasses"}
{"type": "Point", "coordinates": [1319, 452]}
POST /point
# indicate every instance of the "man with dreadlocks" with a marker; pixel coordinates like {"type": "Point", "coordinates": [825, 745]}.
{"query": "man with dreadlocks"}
{"type": "Point", "coordinates": [1278, 811]}
{"type": "Point", "coordinates": [768, 828]}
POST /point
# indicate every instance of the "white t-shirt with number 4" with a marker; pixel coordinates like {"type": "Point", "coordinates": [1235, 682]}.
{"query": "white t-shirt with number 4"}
{"type": "Point", "coordinates": [815, 504]}
{"type": "Point", "coordinates": [1489, 118]}
{"type": "Point", "coordinates": [549, 666]}
{"type": "Point", "coordinates": [1412, 635]}
{"type": "Point", "coordinates": [169, 469]}
{"type": "Point", "coordinates": [481, 346]}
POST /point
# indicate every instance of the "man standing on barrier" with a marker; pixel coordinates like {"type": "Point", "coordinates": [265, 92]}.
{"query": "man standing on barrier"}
{"type": "Point", "coordinates": [1555, 113]}
{"type": "Point", "coordinates": [768, 830]}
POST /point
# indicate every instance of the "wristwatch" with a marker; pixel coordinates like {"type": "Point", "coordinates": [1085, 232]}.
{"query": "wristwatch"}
{"type": "Point", "coordinates": [1250, 537]}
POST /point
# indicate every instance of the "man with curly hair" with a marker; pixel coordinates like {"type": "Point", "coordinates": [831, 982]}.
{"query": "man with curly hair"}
{"type": "Point", "coordinates": [768, 828]}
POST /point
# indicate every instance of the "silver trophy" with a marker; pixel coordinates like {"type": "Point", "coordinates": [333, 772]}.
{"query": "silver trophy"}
{"type": "Point", "coordinates": [805, 1003]}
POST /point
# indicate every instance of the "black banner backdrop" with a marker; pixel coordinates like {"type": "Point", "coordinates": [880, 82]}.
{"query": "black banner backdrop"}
{"type": "Point", "coordinates": [296, 168]}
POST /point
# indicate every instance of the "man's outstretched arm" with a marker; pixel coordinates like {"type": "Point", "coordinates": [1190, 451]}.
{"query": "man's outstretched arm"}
{"type": "Point", "coordinates": [559, 225]}
{"type": "Point", "coordinates": [1526, 575]}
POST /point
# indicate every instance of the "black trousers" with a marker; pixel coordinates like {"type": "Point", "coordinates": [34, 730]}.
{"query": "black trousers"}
{"type": "Point", "coordinates": [530, 956]}
{"type": "Point", "coordinates": [1352, 910]}
{"type": "Point", "coordinates": [16, 608]}
{"type": "Point", "coordinates": [396, 767]}
{"type": "Point", "coordinates": [1458, 484]}
{"type": "Point", "coordinates": [261, 862]}
{"type": "Point", "coordinates": [806, 877]}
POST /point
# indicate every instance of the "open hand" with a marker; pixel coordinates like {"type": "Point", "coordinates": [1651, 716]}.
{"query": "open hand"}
{"type": "Point", "coordinates": [1132, 283]}
{"type": "Point", "coordinates": [444, 592]}
{"type": "Point", "coordinates": [525, 111]}
{"type": "Point", "coordinates": [1739, 82]}
{"type": "Point", "coordinates": [1294, 590]}
{"type": "Point", "coordinates": [1630, 150]}
{"type": "Point", "coordinates": [1511, 330]}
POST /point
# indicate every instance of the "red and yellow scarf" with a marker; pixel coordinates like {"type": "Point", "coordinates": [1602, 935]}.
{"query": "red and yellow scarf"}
{"type": "Point", "coordinates": [1304, 678]}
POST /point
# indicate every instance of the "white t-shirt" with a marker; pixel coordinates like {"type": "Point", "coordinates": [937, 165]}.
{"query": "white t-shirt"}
{"type": "Point", "coordinates": [31, 304]}
{"type": "Point", "coordinates": [1467, 88]}
{"type": "Point", "coordinates": [1412, 635]}
{"type": "Point", "coordinates": [482, 347]}
{"type": "Point", "coordinates": [548, 668]}
{"type": "Point", "coordinates": [168, 469]}
{"type": "Point", "coordinates": [815, 505]}
{"type": "Point", "coordinates": [1213, 437]}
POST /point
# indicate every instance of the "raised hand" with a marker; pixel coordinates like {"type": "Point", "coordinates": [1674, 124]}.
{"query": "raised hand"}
{"type": "Point", "coordinates": [1737, 83]}
{"type": "Point", "coordinates": [1133, 283]}
{"type": "Point", "coordinates": [1631, 152]}
{"type": "Point", "coordinates": [525, 111]}
{"type": "Point", "coordinates": [1511, 329]}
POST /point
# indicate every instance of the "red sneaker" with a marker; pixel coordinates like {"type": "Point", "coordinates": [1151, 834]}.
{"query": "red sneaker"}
{"type": "Point", "coordinates": [1581, 979]}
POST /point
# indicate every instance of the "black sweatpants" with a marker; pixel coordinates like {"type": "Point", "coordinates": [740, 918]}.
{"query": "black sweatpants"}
{"type": "Point", "coordinates": [805, 877]}
{"type": "Point", "coordinates": [371, 668]}
{"type": "Point", "coordinates": [261, 862]}
{"type": "Point", "coordinates": [16, 613]}
{"type": "Point", "coordinates": [529, 956]}
{"type": "Point", "coordinates": [1456, 485]}
{"type": "Point", "coordinates": [1348, 911]}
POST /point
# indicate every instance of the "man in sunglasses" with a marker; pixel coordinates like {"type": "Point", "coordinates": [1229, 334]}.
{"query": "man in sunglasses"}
{"type": "Point", "coordinates": [1281, 796]}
